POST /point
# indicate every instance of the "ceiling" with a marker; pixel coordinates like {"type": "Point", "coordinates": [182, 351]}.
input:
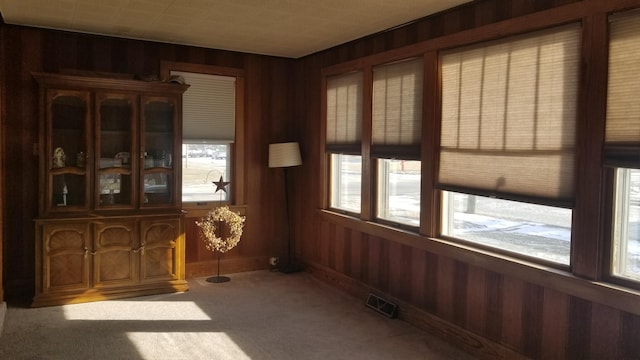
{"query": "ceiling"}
{"type": "Point", "coordinates": [287, 28]}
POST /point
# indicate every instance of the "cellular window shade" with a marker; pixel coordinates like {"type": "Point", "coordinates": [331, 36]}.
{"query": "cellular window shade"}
{"type": "Point", "coordinates": [397, 109]}
{"type": "Point", "coordinates": [509, 117]}
{"type": "Point", "coordinates": [622, 139]}
{"type": "Point", "coordinates": [344, 112]}
{"type": "Point", "coordinates": [208, 108]}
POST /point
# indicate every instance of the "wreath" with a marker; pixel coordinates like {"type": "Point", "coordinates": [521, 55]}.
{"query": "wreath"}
{"type": "Point", "coordinates": [211, 224]}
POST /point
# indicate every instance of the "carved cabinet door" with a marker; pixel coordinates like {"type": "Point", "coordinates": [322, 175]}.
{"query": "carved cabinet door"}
{"type": "Point", "coordinates": [161, 249]}
{"type": "Point", "coordinates": [115, 253]}
{"type": "Point", "coordinates": [66, 257]}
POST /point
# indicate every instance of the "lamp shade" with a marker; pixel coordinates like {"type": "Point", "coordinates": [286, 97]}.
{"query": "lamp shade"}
{"type": "Point", "coordinates": [284, 155]}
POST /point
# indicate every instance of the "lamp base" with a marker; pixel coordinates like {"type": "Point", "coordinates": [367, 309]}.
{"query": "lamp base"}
{"type": "Point", "coordinates": [218, 279]}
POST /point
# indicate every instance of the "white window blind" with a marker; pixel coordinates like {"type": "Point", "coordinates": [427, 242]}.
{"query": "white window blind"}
{"type": "Point", "coordinates": [397, 107]}
{"type": "Point", "coordinates": [344, 112]}
{"type": "Point", "coordinates": [622, 138]}
{"type": "Point", "coordinates": [508, 117]}
{"type": "Point", "coordinates": [208, 108]}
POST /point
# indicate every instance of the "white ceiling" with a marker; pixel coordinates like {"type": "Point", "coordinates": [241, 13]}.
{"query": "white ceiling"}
{"type": "Point", "coordinates": [288, 28]}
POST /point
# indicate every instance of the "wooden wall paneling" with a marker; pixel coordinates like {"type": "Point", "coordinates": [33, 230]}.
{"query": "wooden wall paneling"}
{"type": "Point", "coordinates": [364, 258]}
{"type": "Point", "coordinates": [485, 13]}
{"type": "Point", "coordinates": [494, 305]}
{"type": "Point", "coordinates": [605, 321]}
{"type": "Point", "coordinates": [192, 247]}
{"type": "Point", "coordinates": [333, 240]}
{"type": "Point", "coordinates": [343, 253]}
{"type": "Point", "coordinates": [629, 346]}
{"type": "Point", "coordinates": [354, 259]}
{"type": "Point", "coordinates": [532, 308]}
{"type": "Point", "coordinates": [512, 297]}
{"type": "Point", "coordinates": [400, 274]}
{"type": "Point", "coordinates": [432, 281]}
{"type": "Point", "coordinates": [579, 328]}
{"type": "Point", "coordinates": [555, 326]}
{"type": "Point", "coordinates": [375, 268]}
{"type": "Point", "coordinates": [418, 271]}
{"type": "Point", "coordinates": [476, 300]}
{"type": "Point", "coordinates": [326, 229]}
{"type": "Point", "coordinates": [460, 297]}
{"type": "Point", "coordinates": [446, 285]}
{"type": "Point", "coordinates": [19, 160]}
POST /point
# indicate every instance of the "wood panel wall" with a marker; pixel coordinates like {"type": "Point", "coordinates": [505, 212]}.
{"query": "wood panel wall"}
{"type": "Point", "coordinates": [267, 111]}
{"type": "Point", "coordinates": [493, 307]}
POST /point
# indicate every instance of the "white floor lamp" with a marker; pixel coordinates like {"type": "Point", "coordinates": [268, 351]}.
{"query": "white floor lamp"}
{"type": "Point", "coordinates": [285, 155]}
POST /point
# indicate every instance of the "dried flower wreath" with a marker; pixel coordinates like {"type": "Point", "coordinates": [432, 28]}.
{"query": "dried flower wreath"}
{"type": "Point", "coordinates": [209, 226]}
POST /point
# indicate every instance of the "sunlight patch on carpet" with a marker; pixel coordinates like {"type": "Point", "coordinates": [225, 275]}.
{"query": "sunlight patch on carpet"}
{"type": "Point", "coordinates": [135, 310]}
{"type": "Point", "coordinates": [186, 345]}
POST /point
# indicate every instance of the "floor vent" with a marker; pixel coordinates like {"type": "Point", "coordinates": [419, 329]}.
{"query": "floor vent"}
{"type": "Point", "coordinates": [382, 306]}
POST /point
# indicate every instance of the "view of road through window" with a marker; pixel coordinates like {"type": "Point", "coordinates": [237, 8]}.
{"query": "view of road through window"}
{"type": "Point", "coordinates": [201, 165]}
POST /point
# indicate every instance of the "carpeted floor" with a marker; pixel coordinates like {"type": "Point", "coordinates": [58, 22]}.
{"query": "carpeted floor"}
{"type": "Point", "coordinates": [257, 315]}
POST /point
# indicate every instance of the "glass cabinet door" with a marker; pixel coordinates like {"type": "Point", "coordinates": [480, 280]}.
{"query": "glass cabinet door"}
{"type": "Point", "coordinates": [66, 151]}
{"type": "Point", "coordinates": [115, 164]}
{"type": "Point", "coordinates": [158, 154]}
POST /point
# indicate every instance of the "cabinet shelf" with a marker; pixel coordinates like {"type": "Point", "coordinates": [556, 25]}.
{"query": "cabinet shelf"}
{"type": "Point", "coordinates": [122, 170]}
{"type": "Point", "coordinates": [72, 170]}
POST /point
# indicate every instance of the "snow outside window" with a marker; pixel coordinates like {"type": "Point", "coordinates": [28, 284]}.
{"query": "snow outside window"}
{"type": "Point", "coordinates": [346, 182]}
{"type": "Point", "coordinates": [538, 231]}
{"type": "Point", "coordinates": [399, 191]}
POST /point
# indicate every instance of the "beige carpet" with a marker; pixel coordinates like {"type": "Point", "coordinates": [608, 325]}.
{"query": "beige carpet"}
{"type": "Point", "coordinates": [257, 315]}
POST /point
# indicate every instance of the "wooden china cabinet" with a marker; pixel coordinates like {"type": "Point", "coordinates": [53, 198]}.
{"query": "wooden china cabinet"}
{"type": "Point", "coordinates": [110, 223]}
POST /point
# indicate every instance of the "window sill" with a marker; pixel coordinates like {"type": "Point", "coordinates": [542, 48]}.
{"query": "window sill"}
{"type": "Point", "coordinates": [563, 281]}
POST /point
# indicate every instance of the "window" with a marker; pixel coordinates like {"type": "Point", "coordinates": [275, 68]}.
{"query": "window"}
{"type": "Point", "coordinates": [208, 132]}
{"type": "Point", "coordinates": [538, 231]}
{"type": "Point", "coordinates": [396, 134]}
{"type": "Point", "coordinates": [508, 132]}
{"type": "Point", "coordinates": [202, 164]}
{"type": "Point", "coordinates": [399, 191]}
{"type": "Point", "coordinates": [346, 182]}
{"type": "Point", "coordinates": [622, 143]}
{"type": "Point", "coordinates": [344, 133]}
{"type": "Point", "coordinates": [626, 224]}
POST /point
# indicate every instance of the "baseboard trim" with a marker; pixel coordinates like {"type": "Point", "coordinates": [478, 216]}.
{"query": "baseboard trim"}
{"type": "Point", "coordinates": [470, 342]}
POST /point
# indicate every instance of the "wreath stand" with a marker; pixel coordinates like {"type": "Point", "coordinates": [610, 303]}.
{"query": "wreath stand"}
{"type": "Point", "coordinates": [218, 279]}
{"type": "Point", "coordinates": [211, 226]}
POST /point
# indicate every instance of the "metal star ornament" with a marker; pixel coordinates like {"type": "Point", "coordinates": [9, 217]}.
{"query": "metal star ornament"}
{"type": "Point", "coordinates": [220, 185]}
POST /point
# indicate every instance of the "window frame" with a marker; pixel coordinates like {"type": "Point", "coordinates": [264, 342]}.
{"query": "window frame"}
{"type": "Point", "coordinates": [237, 191]}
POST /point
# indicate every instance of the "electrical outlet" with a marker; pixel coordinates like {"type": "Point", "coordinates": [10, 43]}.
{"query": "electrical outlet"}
{"type": "Point", "coordinates": [273, 261]}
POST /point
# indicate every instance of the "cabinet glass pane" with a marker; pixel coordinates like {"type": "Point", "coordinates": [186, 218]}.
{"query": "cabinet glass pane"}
{"type": "Point", "coordinates": [115, 189]}
{"type": "Point", "coordinates": [66, 151]}
{"type": "Point", "coordinates": [158, 189]}
{"type": "Point", "coordinates": [68, 190]}
{"type": "Point", "coordinates": [158, 135]}
{"type": "Point", "coordinates": [68, 133]}
{"type": "Point", "coordinates": [115, 133]}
